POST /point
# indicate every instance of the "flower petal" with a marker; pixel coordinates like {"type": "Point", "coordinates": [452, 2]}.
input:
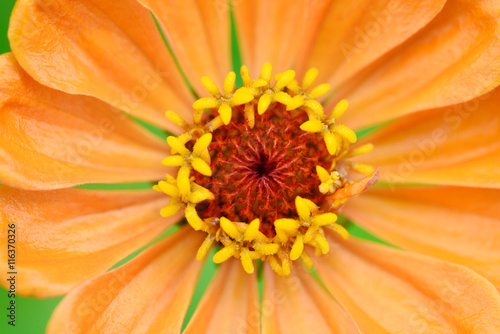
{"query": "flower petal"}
{"type": "Point", "coordinates": [67, 236]}
{"type": "Point", "coordinates": [453, 59]}
{"type": "Point", "coordinates": [353, 34]}
{"type": "Point", "coordinates": [461, 225]}
{"type": "Point", "coordinates": [392, 291]}
{"type": "Point", "coordinates": [458, 145]}
{"type": "Point", "coordinates": [119, 57]}
{"type": "Point", "coordinates": [268, 31]}
{"type": "Point", "coordinates": [50, 139]}
{"type": "Point", "coordinates": [298, 304]}
{"type": "Point", "coordinates": [149, 294]}
{"type": "Point", "coordinates": [230, 304]}
{"type": "Point", "coordinates": [199, 33]}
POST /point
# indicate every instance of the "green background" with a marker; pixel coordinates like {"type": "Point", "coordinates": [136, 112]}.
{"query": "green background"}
{"type": "Point", "coordinates": [33, 314]}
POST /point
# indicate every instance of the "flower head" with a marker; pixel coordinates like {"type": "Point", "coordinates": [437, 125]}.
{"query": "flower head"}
{"type": "Point", "coordinates": [266, 178]}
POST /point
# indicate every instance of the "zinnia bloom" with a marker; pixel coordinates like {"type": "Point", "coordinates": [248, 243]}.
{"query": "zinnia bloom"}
{"type": "Point", "coordinates": [265, 172]}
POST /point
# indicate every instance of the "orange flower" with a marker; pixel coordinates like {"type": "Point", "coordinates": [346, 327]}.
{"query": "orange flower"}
{"type": "Point", "coordinates": [264, 169]}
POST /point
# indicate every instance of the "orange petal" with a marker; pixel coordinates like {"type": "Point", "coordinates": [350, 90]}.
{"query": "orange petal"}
{"type": "Point", "coordinates": [67, 236]}
{"type": "Point", "coordinates": [461, 225]}
{"type": "Point", "coordinates": [458, 145]}
{"type": "Point", "coordinates": [230, 305]}
{"type": "Point", "coordinates": [268, 31]}
{"type": "Point", "coordinates": [50, 139]}
{"type": "Point", "coordinates": [298, 304]}
{"type": "Point", "coordinates": [119, 57]}
{"type": "Point", "coordinates": [353, 34]}
{"type": "Point", "coordinates": [199, 33]}
{"type": "Point", "coordinates": [453, 59]}
{"type": "Point", "coordinates": [392, 291]}
{"type": "Point", "coordinates": [149, 294]}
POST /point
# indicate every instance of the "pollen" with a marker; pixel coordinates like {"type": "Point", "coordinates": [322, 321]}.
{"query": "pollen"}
{"type": "Point", "coordinates": [263, 170]}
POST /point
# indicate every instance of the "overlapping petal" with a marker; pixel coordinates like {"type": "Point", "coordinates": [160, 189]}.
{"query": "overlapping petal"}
{"type": "Point", "coordinates": [452, 60]}
{"type": "Point", "coordinates": [276, 31]}
{"type": "Point", "coordinates": [149, 294]}
{"type": "Point", "coordinates": [110, 50]}
{"type": "Point", "coordinates": [199, 33]}
{"type": "Point", "coordinates": [461, 225]}
{"type": "Point", "coordinates": [352, 34]}
{"type": "Point", "coordinates": [458, 145]}
{"type": "Point", "coordinates": [298, 304]}
{"type": "Point", "coordinates": [392, 291]}
{"type": "Point", "coordinates": [50, 139]}
{"type": "Point", "coordinates": [64, 237]}
{"type": "Point", "coordinates": [230, 304]}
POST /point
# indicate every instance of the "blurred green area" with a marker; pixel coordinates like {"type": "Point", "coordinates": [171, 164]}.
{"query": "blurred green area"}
{"type": "Point", "coordinates": [33, 314]}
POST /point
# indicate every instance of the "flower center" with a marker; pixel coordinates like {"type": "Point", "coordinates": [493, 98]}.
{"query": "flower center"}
{"type": "Point", "coordinates": [263, 170]}
{"type": "Point", "coordinates": [258, 172]}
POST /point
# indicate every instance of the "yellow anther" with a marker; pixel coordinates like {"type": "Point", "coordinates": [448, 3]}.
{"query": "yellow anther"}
{"type": "Point", "coordinates": [313, 126]}
{"type": "Point", "coordinates": [315, 106]}
{"type": "Point", "coordinates": [210, 86]}
{"type": "Point", "coordinates": [177, 145]}
{"type": "Point", "coordinates": [246, 261]}
{"type": "Point", "coordinates": [323, 174]}
{"type": "Point", "coordinates": [324, 219]}
{"type": "Point", "coordinates": [329, 181]}
{"type": "Point", "coordinates": [322, 243]}
{"type": "Point", "coordinates": [202, 144]}
{"type": "Point", "coordinates": [215, 124]}
{"type": "Point", "coordinates": [264, 102]}
{"type": "Point", "coordinates": [205, 247]}
{"type": "Point", "coordinates": [340, 230]}
{"type": "Point", "coordinates": [250, 115]}
{"type": "Point", "coordinates": [266, 248]}
{"type": "Point", "coordinates": [241, 96]}
{"type": "Point", "coordinates": [297, 248]}
{"type": "Point", "coordinates": [295, 102]}
{"type": "Point", "coordinates": [229, 83]}
{"type": "Point", "coordinates": [273, 261]}
{"type": "Point", "coordinates": [319, 91]}
{"type": "Point", "coordinates": [339, 109]}
{"type": "Point", "coordinates": [183, 182]}
{"type": "Point", "coordinates": [367, 148]}
{"type": "Point", "coordinates": [201, 167]}
{"type": "Point", "coordinates": [252, 230]}
{"type": "Point", "coordinates": [283, 98]}
{"type": "Point", "coordinates": [284, 79]}
{"type": "Point", "coordinates": [173, 161]}
{"type": "Point", "coordinates": [266, 72]}
{"type": "Point", "coordinates": [229, 227]}
{"type": "Point", "coordinates": [259, 83]}
{"type": "Point", "coordinates": [302, 208]}
{"type": "Point", "coordinates": [192, 217]}
{"type": "Point", "coordinates": [346, 132]}
{"type": "Point", "coordinates": [311, 233]}
{"type": "Point", "coordinates": [225, 113]}
{"type": "Point", "coordinates": [245, 76]}
{"type": "Point", "coordinates": [309, 78]}
{"type": "Point", "coordinates": [286, 224]}
{"type": "Point", "coordinates": [205, 103]}
{"type": "Point", "coordinates": [169, 189]}
{"type": "Point", "coordinates": [172, 208]}
{"type": "Point", "coordinates": [225, 253]}
{"type": "Point", "coordinates": [197, 116]}
{"type": "Point", "coordinates": [331, 143]}
{"type": "Point", "coordinates": [176, 119]}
